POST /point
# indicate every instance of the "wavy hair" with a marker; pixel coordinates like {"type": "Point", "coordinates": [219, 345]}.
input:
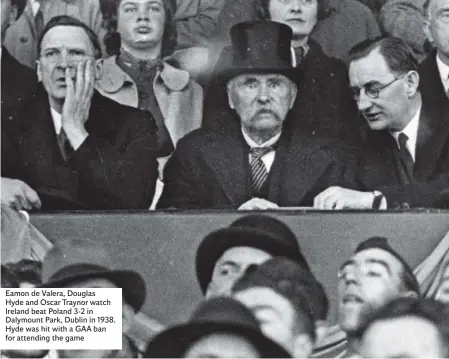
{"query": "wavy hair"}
{"type": "Point", "coordinates": [112, 40]}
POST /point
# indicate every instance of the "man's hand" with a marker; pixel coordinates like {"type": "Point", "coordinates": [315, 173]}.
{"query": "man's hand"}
{"type": "Point", "coordinates": [77, 102]}
{"type": "Point", "coordinates": [18, 195]}
{"type": "Point", "coordinates": [341, 198]}
{"type": "Point", "coordinates": [257, 204]}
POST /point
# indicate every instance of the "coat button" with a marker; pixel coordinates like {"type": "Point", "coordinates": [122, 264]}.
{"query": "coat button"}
{"type": "Point", "coordinates": [23, 39]}
{"type": "Point", "coordinates": [405, 205]}
{"type": "Point", "coordinates": [396, 205]}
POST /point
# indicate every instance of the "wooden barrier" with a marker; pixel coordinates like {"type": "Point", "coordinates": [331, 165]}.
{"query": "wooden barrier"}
{"type": "Point", "coordinates": [161, 246]}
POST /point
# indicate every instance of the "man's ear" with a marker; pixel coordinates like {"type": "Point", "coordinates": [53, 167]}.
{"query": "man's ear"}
{"type": "Point", "coordinates": [428, 30]}
{"type": "Point", "coordinates": [294, 94]}
{"type": "Point", "coordinates": [412, 83]}
{"type": "Point", "coordinates": [303, 346]}
{"type": "Point", "coordinates": [98, 69]}
{"type": "Point", "coordinates": [410, 294]}
{"type": "Point", "coordinates": [39, 70]}
{"type": "Point", "coordinates": [229, 91]}
{"type": "Point", "coordinates": [128, 314]}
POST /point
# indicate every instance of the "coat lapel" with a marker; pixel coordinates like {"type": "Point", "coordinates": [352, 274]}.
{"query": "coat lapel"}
{"type": "Point", "coordinates": [227, 156]}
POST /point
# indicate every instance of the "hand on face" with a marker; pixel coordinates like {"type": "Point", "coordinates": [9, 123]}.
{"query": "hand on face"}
{"type": "Point", "coordinates": [77, 101]}
{"type": "Point", "coordinates": [18, 195]}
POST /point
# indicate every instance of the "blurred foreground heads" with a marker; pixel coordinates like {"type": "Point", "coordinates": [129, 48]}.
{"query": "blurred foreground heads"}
{"type": "Point", "coordinates": [288, 301]}
{"type": "Point", "coordinates": [408, 328]}
{"type": "Point", "coordinates": [87, 264]}
{"type": "Point", "coordinates": [220, 328]}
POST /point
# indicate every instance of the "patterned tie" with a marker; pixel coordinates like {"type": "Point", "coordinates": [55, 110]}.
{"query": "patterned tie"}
{"type": "Point", "coordinates": [406, 157]}
{"type": "Point", "coordinates": [259, 172]}
{"type": "Point", "coordinates": [64, 145]}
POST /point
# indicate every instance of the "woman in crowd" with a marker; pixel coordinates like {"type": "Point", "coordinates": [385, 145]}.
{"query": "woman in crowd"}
{"type": "Point", "coordinates": [141, 36]}
{"type": "Point", "coordinates": [324, 104]}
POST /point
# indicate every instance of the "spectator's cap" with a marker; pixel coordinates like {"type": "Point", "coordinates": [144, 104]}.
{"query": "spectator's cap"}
{"type": "Point", "coordinates": [382, 243]}
{"type": "Point", "coordinates": [260, 47]}
{"type": "Point", "coordinates": [77, 260]}
{"type": "Point", "coordinates": [217, 315]}
{"type": "Point", "coordinates": [256, 231]}
{"type": "Point", "coordinates": [291, 280]}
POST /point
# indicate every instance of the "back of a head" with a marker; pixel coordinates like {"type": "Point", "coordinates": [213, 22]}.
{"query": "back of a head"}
{"type": "Point", "coordinates": [397, 54]}
{"type": "Point", "coordinates": [64, 20]}
{"type": "Point", "coordinates": [290, 281]}
{"type": "Point", "coordinates": [428, 310]}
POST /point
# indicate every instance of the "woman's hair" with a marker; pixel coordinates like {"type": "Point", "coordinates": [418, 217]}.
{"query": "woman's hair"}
{"type": "Point", "coordinates": [112, 41]}
{"type": "Point", "coordinates": [263, 9]}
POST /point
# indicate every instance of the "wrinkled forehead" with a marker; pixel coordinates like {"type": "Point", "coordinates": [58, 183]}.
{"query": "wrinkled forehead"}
{"type": "Point", "coordinates": [67, 37]}
{"type": "Point", "coordinates": [262, 77]}
{"type": "Point", "coordinates": [370, 68]}
{"type": "Point", "coordinates": [376, 256]}
{"type": "Point", "coordinates": [244, 255]}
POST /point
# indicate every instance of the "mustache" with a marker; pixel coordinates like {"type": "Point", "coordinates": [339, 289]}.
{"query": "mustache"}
{"type": "Point", "coordinates": [267, 111]}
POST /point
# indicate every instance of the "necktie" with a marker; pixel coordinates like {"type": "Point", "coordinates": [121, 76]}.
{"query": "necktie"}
{"type": "Point", "coordinates": [406, 157]}
{"type": "Point", "coordinates": [259, 172]}
{"type": "Point", "coordinates": [64, 145]}
{"type": "Point", "coordinates": [39, 21]}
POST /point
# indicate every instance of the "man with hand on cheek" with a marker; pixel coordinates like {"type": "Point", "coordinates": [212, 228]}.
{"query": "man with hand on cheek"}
{"type": "Point", "coordinates": [74, 147]}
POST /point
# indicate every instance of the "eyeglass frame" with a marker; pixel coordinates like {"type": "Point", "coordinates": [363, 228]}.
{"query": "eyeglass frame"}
{"type": "Point", "coordinates": [374, 95]}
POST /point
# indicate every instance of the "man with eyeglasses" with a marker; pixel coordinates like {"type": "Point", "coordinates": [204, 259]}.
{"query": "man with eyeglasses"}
{"type": "Point", "coordinates": [374, 276]}
{"type": "Point", "coordinates": [405, 162]}
{"type": "Point", "coordinates": [71, 148]}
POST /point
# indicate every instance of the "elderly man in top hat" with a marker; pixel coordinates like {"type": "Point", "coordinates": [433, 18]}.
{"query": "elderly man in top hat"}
{"type": "Point", "coordinates": [374, 276]}
{"type": "Point", "coordinates": [225, 254]}
{"type": "Point", "coordinates": [219, 328]}
{"type": "Point", "coordinates": [87, 264]}
{"type": "Point", "coordinates": [288, 301]}
{"type": "Point", "coordinates": [261, 164]}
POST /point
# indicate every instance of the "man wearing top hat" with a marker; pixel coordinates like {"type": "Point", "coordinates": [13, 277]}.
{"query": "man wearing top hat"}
{"type": "Point", "coordinates": [87, 264]}
{"type": "Point", "coordinates": [219, 328]}
{"type": "Point", "coordinates": [262, 164]}
{"type": "Point", "coordinates": [374, 276]}
{"type": "Point", "coordinates": [224, 255]}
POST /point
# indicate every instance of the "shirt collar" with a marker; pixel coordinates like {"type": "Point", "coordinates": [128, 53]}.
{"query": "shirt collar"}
{"type": "Point", "coordinates": [443, 69]}
{"type": "Point", "coordinates": [56, 120]}
{"type": "Point", "coordinates": [35, 6]}
{"type": "Point", "coordinates": [252, 144]}
{"type": "Point", "coordinates": [411, 130]}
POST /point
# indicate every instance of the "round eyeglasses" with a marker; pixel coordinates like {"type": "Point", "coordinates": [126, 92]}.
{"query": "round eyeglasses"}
{"type": "Point", "coordinates": [372, 90]}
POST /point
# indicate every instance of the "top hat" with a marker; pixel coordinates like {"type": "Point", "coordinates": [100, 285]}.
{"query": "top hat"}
{"type": "Point", "coordinates": [256, 231]}
{"type": "Point", "coordinates": [260, 47]}
{"type": "Point", "coordinates": [76, 260]}
{"type": "Point", "coordinates": [217, 315]}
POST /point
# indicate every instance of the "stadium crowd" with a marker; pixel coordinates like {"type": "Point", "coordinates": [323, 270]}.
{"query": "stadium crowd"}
{"type": "Point", "coordinates": [239, 105]}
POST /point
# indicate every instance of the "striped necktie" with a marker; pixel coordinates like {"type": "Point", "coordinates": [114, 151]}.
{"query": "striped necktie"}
{"type": "Point", "coordinates": [259, 173]}
{"type": "Point", "coordinates": [406, 157]}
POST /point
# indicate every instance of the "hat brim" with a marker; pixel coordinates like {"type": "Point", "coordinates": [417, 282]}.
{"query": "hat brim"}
{"type": "Point", "coordinates": [292, 73]}
{"type": "Point", "coordinates": [132, 284]}
{"type": "Point", "coordinates": [216, 243]}
{"type": "Point", "coordinates": [173, 342]}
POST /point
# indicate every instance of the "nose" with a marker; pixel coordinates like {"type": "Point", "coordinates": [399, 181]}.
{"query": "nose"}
{"type": "Point", "coordinates": [64, 60]}
{"type": "Point", "coordinates": [296, 5]}
{"type": "Point", "coordinates": [351, 277]}
{"type": "Point", "coordinates": [364, 102]}
{"type": "Point", "coordinates": [143, 14]}
{"type": "Point", "coordinates": [264, 94]}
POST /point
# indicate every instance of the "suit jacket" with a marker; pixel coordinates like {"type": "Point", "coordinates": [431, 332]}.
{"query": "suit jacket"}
{"type": "Point", "coordinates": [18, 83]}
{"type": "Point", "coordinates": [114, 168]}
{"type": "Point", "coordinates": [21, 38]}
{"type": "Point", "coordinates": [324, 105]}
{"type": "Point", "coordinates": [378, 169]}
{"type": "Point", "coordinates": [210, 169]}
{"type": "Point", "coordinates": [430, 84]}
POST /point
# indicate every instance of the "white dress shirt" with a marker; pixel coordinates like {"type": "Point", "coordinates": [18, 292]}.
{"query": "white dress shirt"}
{"type": "Point", "coordinates": [267, 159]}
{"type": "Point", "coordinates": [411, 130]}
{"type": "Point", "coordinates": [443, 69]}
{"type": "Point", "coordinates": [56, 120]}
{"type": "Point", "coordinates": [35, 6]}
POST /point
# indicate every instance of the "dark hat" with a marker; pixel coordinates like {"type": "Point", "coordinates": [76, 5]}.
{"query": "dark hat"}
{"type": "Point", "coordinates": [260, 47]}
{"type": "Point", "coordinates": [290, 280]}
{"type": "Point", "coordinates": [382, 243]}
{"type": "Point", "coordinates": [257, 231]}
{"type": "Point", "coordinates": [217, 315]}
{"type": "Point", "coordinates": [75, 260]}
